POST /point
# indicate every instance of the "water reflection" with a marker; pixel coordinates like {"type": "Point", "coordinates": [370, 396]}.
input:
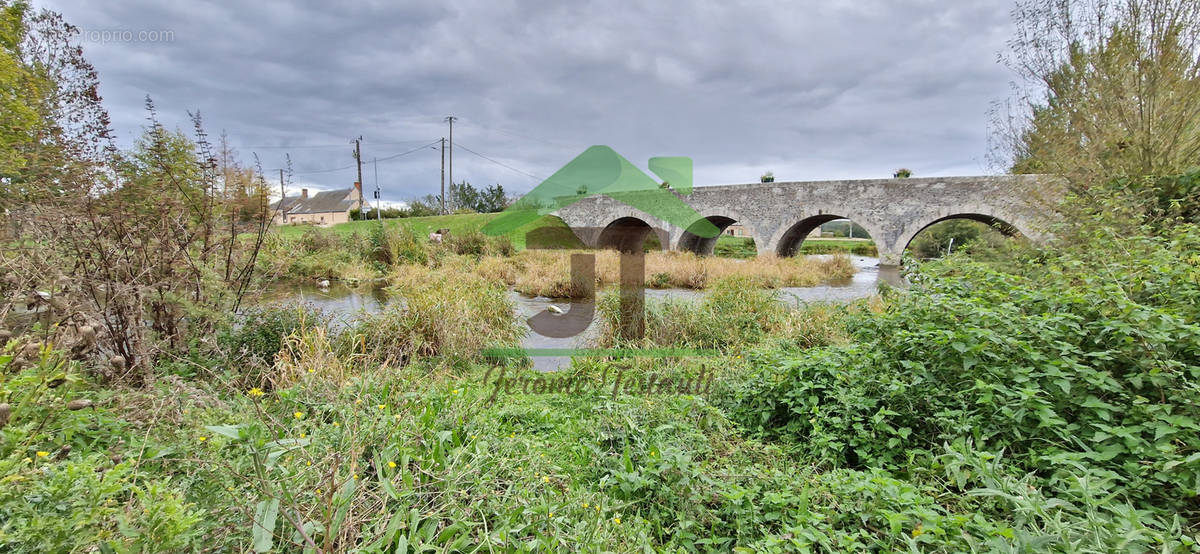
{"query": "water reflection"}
{"type": "Point", "coordinates": [342, 304]}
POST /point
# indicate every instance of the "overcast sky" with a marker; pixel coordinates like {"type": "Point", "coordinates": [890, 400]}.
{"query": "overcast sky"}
{"type": "Point", "coordinates": [810, 90]}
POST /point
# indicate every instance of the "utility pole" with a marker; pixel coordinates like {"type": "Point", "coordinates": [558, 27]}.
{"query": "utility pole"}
{"type": "Point", "coordinates": [451, 119]}
{"type": "Point", "coordinates": [443, 175]}
{"type": "Point", "coordinates": [378, 208]}
{"type": "Point", "coordinates": [358, 157]}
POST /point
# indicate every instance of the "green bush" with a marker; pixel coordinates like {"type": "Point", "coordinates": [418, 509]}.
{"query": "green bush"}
{"type": "Point", "coordinates": [1074, 367]}
{"type": "Point", "coordinates": [317, 239]}
{"type": "Point", "coordinates": [251, 345]}
{"type": "Point", "coordinates": [475, 243]}
{"type": "Point", "coordinates": [396, 244]}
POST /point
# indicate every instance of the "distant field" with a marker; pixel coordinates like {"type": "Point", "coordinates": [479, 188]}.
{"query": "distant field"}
{"type": "Point", "coordinates": [743, 247]}
{"type": "Point", "coordinates": [727, 246]}
{"type": "Point", "coordinates": [457, 224]}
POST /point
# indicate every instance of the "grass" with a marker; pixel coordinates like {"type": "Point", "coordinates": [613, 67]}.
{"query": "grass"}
{"type": "Point", "coordinates": [547, 272]}
{"type": "Point", "coordinates": [743, 247]}
{"type": "Point", "coordinates": [735, 316]}
{"type": "Point", "coordinates": [827, 428]}
{"type": "Point", "coordinates": [458, 224]}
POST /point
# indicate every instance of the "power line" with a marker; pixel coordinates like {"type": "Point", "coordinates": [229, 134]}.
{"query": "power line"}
{"type": "Point", "coordinates": [520, 136]}
{"type": "Point", "coordinates": [501, 164]}
{"type": "Point", "coordinates": [343, 168]}
{"type": "Point", "coordinates": [422, 147]}
{"type": "Point", "coordinates": [383, 159]}
{"type": "Point", "coordinates": [266, 147]}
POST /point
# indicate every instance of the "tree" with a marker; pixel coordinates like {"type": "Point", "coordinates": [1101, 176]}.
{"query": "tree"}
{"type": "Point", "coordinates": [492, 199]}
{"type": "Point", "coordinates": [54, 133]}
{"type": "Point", "coordinates": [934, 241]}
{"type": "Point", "coordinates": [1111, 89]}
{"type": "Point", "coordinates": [18, 88]}
{"type": "Point", "coordinates": [463, 197]}
{"type": "Point", "coordinates": [902, 173]}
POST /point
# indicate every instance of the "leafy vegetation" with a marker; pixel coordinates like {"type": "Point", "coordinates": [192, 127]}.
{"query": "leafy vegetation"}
{"type": "Point", "coordinates": [1015, 398]}
{"type": "Point", "coordinates": [942, 237]}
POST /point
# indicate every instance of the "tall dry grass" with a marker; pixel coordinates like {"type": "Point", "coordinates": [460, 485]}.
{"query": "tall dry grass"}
{"type": "Point", "coordinates": [447, 312]}
{"type": "Point", "coordinates": [734, 316]}
{"type": "Point", "coordinates": [548, 273]}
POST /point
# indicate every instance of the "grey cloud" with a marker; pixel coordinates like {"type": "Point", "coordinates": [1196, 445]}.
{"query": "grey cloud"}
{"type": "Point", "coordinates": [809, 90]}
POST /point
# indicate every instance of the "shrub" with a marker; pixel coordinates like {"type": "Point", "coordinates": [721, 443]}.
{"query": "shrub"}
{"type": "Point", "coordinates": [254, 342]}
{"type": "Point", "coordinates": [317, 239]}
{"type": "Point", "coordinates": [1073, 369]}
{"type": "Point", "coordinates": [396, 244]}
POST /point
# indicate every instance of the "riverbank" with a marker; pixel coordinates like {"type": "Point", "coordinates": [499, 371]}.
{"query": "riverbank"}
{"type": "Point", "coordinates": [803, 435]}
{"type": "Point", "coordinates": [347, 255]}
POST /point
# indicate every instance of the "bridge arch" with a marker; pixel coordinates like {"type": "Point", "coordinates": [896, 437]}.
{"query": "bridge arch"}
{"type": "Point", "coordinates": [628, 234]}
{"type": "Point", "coordinates": [722, 219]}
{"type": "Point", "coordinates": [788, 240]}
{"type": "Point", "coordinates": [998, 222]}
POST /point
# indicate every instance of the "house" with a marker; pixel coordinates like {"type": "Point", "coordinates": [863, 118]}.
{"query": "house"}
{"type": "Point", "coordinates": [327, 207]}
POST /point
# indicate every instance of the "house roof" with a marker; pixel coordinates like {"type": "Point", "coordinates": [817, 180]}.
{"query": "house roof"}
{"type": "Point", "coordinates": [321, 202]}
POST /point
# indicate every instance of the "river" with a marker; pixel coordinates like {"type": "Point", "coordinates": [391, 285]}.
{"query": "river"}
{"type": "Point", "coordinates": [343, 304]}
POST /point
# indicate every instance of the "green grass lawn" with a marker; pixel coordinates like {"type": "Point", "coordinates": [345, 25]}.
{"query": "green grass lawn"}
{"type": "Point", "coordinates": [737, 247]}
{"type": "Point", "coordinates": [743, 247]}
{"type": "Point", "coordinates": [457, 224]}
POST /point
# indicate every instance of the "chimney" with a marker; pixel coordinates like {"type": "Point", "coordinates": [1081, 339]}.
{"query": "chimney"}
{"type": "Point", "coordinates": [358, 191]}
{"type": "Point", "coordinates": [304, 194]}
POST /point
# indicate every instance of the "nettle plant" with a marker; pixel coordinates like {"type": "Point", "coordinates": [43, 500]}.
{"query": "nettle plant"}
{"type": "Point", "coordinates": [1072, 368]}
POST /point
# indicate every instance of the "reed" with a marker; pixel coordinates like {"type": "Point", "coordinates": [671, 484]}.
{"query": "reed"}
{"type": "Point", "coordinates": [548, 273]}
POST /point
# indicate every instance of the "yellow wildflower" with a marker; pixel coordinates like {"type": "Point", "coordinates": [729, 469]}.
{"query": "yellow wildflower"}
{"type": "Point", "coordinates": [391, 464]}
{"type": "Point", "coordinates": [255, 392]}
{"type": "Point", "coordinates": [585, 504]}
{"type": "Point", "coordinates": [617, 520]}
{"type": "Point", "coordinates": [42, 453]}
{"type": "Point", "coordinates": [201, 439]}
{"type": "Point", "coordinates": [298, 415]}
{"type": "Point", "coordinates": [546, 479]}
{"type": "Point", "coordinates": [382, 406]}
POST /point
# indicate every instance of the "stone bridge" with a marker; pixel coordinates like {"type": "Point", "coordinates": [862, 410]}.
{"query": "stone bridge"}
{"type": "Point", "coordinates": [778, 216]}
